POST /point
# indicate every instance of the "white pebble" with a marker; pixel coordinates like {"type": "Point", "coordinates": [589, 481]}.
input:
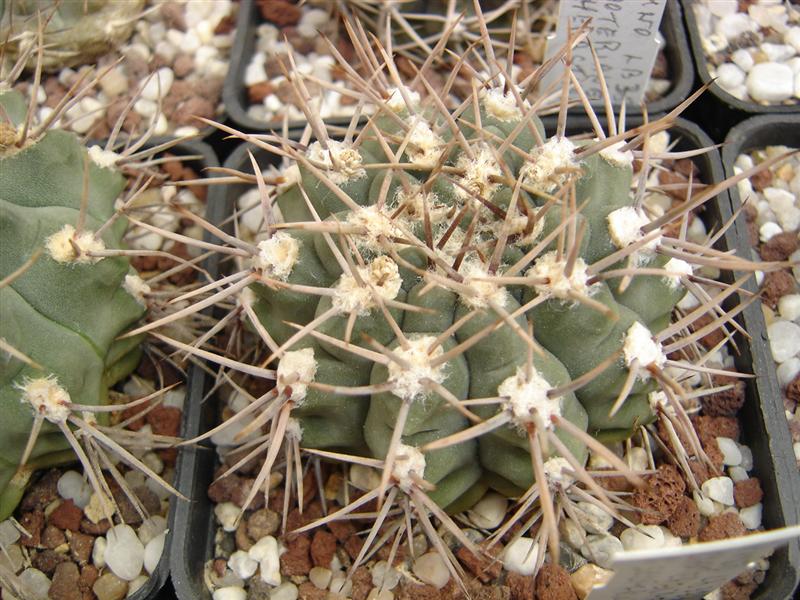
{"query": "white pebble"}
{"type": "Point", "coordinates": [788, 370]}
{"type": "Point", "coordinates": [778, 52]}
{"type": "Point", "coordinates": [229, 593]}
{"type": "Point", "coordinates": [789, 307]}
{"type": "Point", "coordinates": [784, 340]}
{"type": "Point", "coordinates": [730, 76]}
{"type": "Point", "coordinates": [489, 512]}
{"type": "Point", "coordinates": [315, 18]}
{"type": "Point", "coordinates": [385, 576]}
{"type": "Point", "coordinates": [186, 130]}
{"type": "Point", "coordinates": [722, 8]}
{"type": "Point", "coordinates": [114, 83]}
{"type": "Point", "coordinates": [731, 455]}
{"type": "Point", "coordinates": [166, 50]}
{"type": "Point", "coordinates": [255, 71]}
{"type": "Point", "coordinates": [190, 42]}
{"type": "Point", "coordinates": [34, 584]}
{"type": "Point", "coordinates": [267, 553]}
{"type": "Point", "coordinates": [135, 585]}
{"type": "Point", "coordinates": [321, 577]}
{"type": "Point", "coordinates": [285, 591]}
{"type": "Point", "coordinates": [9, 534]}
{"type": "Point", "coordinates": [124, 553]}
{"type": "Point", "coordinates": [704, 504]}
{"type": "Point", "coordinates": [642, 537]}
{"type": "Point", "coordinates": [241, 564]}
{"type": "Point", "coordinates": [796, 448]}
{"type": "Point", "coordinates": [738, 474]}
{"type": "Point", "coordinates": [751, 516]}
{"type": "Point", "coordinates": [719, 489]}
{"type": "Point", "coordinates": [227, 514]}
{"type": "Point", "coordinates": [770, 82]}
{"type": "Point", "coordinates": [769, 230]}
{"type": "Point", "coordinates": [636, 458]}
{"type": "Point", "coordinates": [153, 551]}
{"type": "Point", "coordinates": [98, 552]}
{"type": "Point", "coordinates": [162, 126]}
{"type": "Point", "coordinates": [146, 108]}
{"type": "Point", "coordinates": [520, 556]}
{"type": "Point", "coordinates": [670, 541]}
{"type": "Point", "coordinates": [593, 518]}
{"type": "Point", "coordinates": [747, 457]}
{"type": "Point", "coordinates": [151, 527]}
{"type": "Point", "coordinates": [744, 60]}
{"type": "Point", "coordinates": [72, 486]}
{"type": "Point", "coordinates": [153, 462]}
{"type": "Point", "coordinates": [732, 26]}
{"type": "Point", "coordinates": [430, 568]}
{"type": "Point", "coordinates": [341, 586]}
{"type": "Point", "coordinates": [792, 37]}
{"type": "Point", "coordinates": [600, 549]}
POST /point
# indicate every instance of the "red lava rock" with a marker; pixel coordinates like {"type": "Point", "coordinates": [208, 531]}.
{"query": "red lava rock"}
{"type": "Point", "coordinates": [660, 496]}
{"type": "Point", "coordinates": [196, 106]}
{"type": "Point", "coordinates": [553, 583]}
{"type": "Point", "coordinates": [713, 337]}
{"type": "Point", "coordinates": [727, 403]}
{"type": "Point", "coordinates": [262, 523]}
{"type": "Point", "coordinates": [708, 426]}
{"type": "Point", "coordinates": [65, 584]}
{"type": "Point", "coordinates": [165, 420]}
{"type": "Point", "coordinates": [279, 12]}
{"type": "Point", "coordinates": [130, 122]}
{"type": "Point", "coordinates": [257, 92]}
{"type": "Point", "coordinates": [776, 285]}
{"type": "Point", "coordinates": [80, 547]}
{"type": "Point", "coordinates": [521, 586]}
{"type": "Point", "coordinates": [41, 493]}
{"type": "Point", "coordinates": [362, 583]}
{"type": "Point", "coordinates": [173, 15]}
{"type": "Point", "coordinates": [47, 561]}
{"type": "Point", "coordinates": [296, 560]}
{"type": "Point", "coordinates": [308, 591]}
{"type": "Point", "coordinates": [353, 545]}
{"type": "Point", "coordinates": [483, 567]}
{"type": "Point", "coordinates": [685, 521]}
{"type": "Point", "coordinates": [747, 492]}
{"type": "Point", "coordinates": [323, 547]}
{"type": "Point", "coordinates": [183, 65]}
{"type": "Point", "coordinates": [53, 537]}
{"type": "Point", "coordinates": [226, 25]}
{"type": "Point", "coordinates": [342, 529]}
{"type": "Point", "coordinates": [761, 180]}
{"type": "Point", "coordinates": [793, 390]}
{"type": "Point", "coordinates": [89, 575]}
{"type": "Point", "coordinates": [100, 528]}
{"type": "Point", "coordinates": [737, 591]}
{"type": "Point", "coordinates": [780, 246]}
{"type": "Point", "coordinates": [66, 516]}
{"type": "Point", "coordinates": [132, 411]}
{"type": "Point", "coordinates": [412, 591]}
{"type": "Point", "coordinates": [243, 540]}
{"type": "Point", "coordinates": [711, 448]}
{"type": "Point", "coordinates": [751, 214]}
{"type": "Point", "coordinates": [240, 494]}
{"type": "Point", "coordinates": [221, 490]}
{"type": "Point", "coordinates": [727, 525]}
{"type": "Point", "coordinates": [295, 519]}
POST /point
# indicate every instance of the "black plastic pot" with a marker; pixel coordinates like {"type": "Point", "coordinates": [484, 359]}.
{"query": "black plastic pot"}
{"type": "Point", "coordinates": [726, 109]}
{"type": "Point", "coordinates": [762, 422]}
{"type": "Point", "coordinates": [234, 93]}
{"type": "Point", "coordinates": [153, 588]}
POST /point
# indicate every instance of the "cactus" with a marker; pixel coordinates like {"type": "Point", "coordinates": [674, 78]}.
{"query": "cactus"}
{"type": "Point", "coordinates": [68, 294]}
{"type": "Point", "coordinates": [72, 33]}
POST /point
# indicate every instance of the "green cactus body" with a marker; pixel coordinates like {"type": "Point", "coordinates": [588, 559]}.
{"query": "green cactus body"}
{"type": "Point", "coordinates": [577, 322]}
{"type": "Point", "coordinates": [64, 316]}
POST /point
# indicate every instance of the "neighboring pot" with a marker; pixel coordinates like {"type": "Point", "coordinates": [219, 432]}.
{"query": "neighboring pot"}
{"type": "Point", "coordinates": [234, 93]}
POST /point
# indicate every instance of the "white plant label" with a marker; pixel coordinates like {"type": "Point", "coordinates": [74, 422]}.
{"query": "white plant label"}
{"type": "Point", "coordinates": [687, 571]}
{"type": "Point", "coordinates": [624, 35]}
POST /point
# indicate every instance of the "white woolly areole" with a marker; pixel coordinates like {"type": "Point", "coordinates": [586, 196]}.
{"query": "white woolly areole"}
{"type": "Point", "coordinates": [502, 105]}
{"type": "Point", "coordinates": [640, 345]}
{"type": "Point", "coordinates": [290, 176]}
{"type": "Point", "coordinates": [137, 288]}
{"type": "Point", "coordinates": [516, 226]}
{"type": "Point", "coordinates": [408, 383]}
{"type": "Point", "coordinates": [424, 148]}
{"type": "Point", "coordinates": [548, 168]}
{"type": "Point", "coordinates": [528, 399]}
{"type": "Point", "coordinates": [482, 291]}
{"type": "Point", "coordinates": [106, 159]}
{"type": "Point", "coordinates": [376, 224]}
{"type": "Point", "coordinates": [676, 268]}
{"type": "Point", "coordinates": [613, 155]}
{"type": "Point", "coordinates": [277, 256]}
{"type": "Point", "coordinates": [408, 460]}
{"type": "Point", "coordinates": [625, 227]}
{"type": "Point", "coordinates": [47, 397]}
{"type": "Point", "coordinates": [381, 274]}
{"type": "Point", "coordinates": [555, 471]}
{"type": "Point", "coordinates": [61, 249]}
{"type": "Point", "coordinates": [415, 201]}
{"type": "Point", "coordinates": [343, 167]}
{"type": "Point", "coordinates": [478, 174]}
{"type": "Point", "coordinates": [294, 431]}
{"type": "Point", "coordinates": [296, 369]}
{"type": "Point", "coordinates": [397, 104]}
{"type": "Point", "coordinates": [554, 280]}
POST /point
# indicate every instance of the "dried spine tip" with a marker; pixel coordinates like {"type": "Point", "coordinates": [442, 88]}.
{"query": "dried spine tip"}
{"type": "Point", "coordinates": [640, 345]}
{"type": "Point", "coordinates": [277, 256]}
{"type": "Point", "coordinates": [342, 163]}
{"type": "Point", "coordinates": [296, 369]}
{"type": "Point", "coordinates": [550, 164]}
{"type": "Point", "coordinates": [47, 397]}
{"type": "Point", "coordinates": [62, 246]}
{"type": "Point", "coordinates": [408, 381]}
{"type": "Point", "coordinates": [381, 276]}
{"type": "Point", "coordinates": [408, 461]}
{"type": "Point", "coordinates": [528, 400]}
{"type": "Point", "coordinates": [625, 227]}
{"type": "Point", "coordinates": [137, 288]}
{"type": "Point", "coordinates": [551, 278]}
